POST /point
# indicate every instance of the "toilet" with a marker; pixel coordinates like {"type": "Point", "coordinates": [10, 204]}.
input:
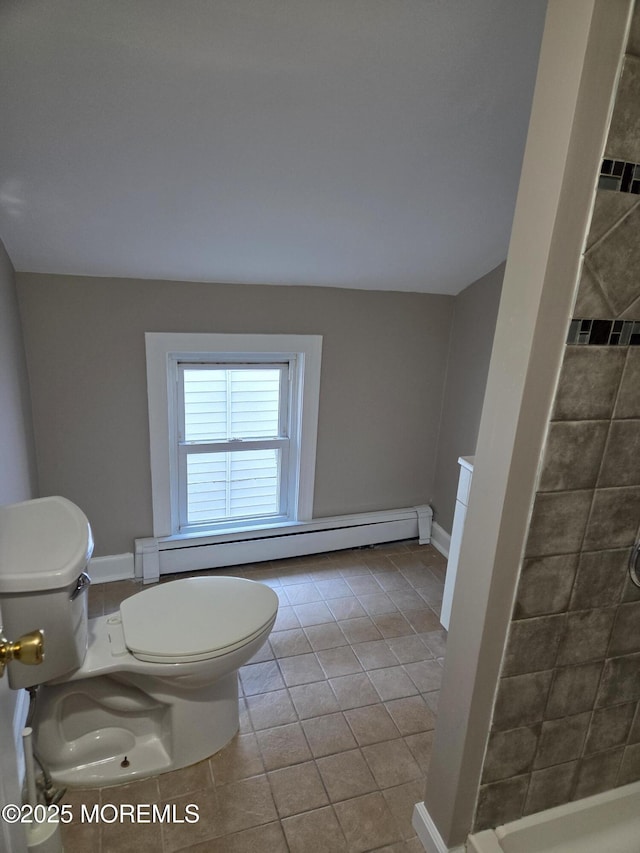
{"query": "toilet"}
{"type": "Point", "coordinates": [150, 688]}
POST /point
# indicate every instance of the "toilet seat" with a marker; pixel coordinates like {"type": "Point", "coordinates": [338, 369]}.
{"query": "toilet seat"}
{"type": "Point", "coordinates": [196, 619]}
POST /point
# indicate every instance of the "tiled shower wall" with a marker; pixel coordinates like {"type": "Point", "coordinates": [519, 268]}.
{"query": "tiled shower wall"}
{"type": "Point", "coordinates": [567, 718]}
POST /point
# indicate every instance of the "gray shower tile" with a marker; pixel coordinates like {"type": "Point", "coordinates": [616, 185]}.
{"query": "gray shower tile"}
{"type": "Point", "coordinates": [545, 585]}
{"type": "Point", "coordinates": [620, 682]}
{"type": "Point", "coordinates": [521, 700]}
{"type": "Point", "coordinates": [633, 42]}
{"type": "Point", "coordinates": [631, 592]}
{"type": "Point", "coordinates": [632, 312]}
{"type": "Point", "coordinates": [634, 735]}
{"type": "Point", "coordinates": [591, 301]}
{"type": "Point", "coordinates": [620, 463]}
{"type": "Point", "coordinates": [586, 636]}
{"type": "Point", "coordinates": [510, 753]}
{"type": "Point", "coordinates": [561, 740]}
{"type": "Point", "coordinates": [573, 690]}
{"type": "Point", "coordinates": [610, 727]}
{"type": "Point", "coordinates": [588, 382]}
{"type": "Point", "coordinates": [623, 141]}
{"type": "Point", "coordinates": [630, 767]}
{"type": "Point", "coordinates": [613, 520]}
{"type": "Point", "coordinates": [558, 523]}
{"type": "Point", "coordinates": [628, 402]}
{"type": "Point", "coordinates": [625, 638]}
{"type": "Point", "coordinates": [550, 787]}
{"type": "Point", "coordinates": [533, 644]}
{"type": "Point", "coordinates": [597, 773]}
{"type": "Point", "coordinates": [615, 260]}
{"type": "Point", "coordinates": [608, 210]}
{"type": "Point", "coordinates": [572, 455]}
{"type": "Point", "coordinates": [500, 802]}
{"type": "Point", "coordinates": [600, 579]}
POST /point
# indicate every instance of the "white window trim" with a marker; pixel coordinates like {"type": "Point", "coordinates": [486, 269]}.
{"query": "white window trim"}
{"type": "Point", "coordinates": [162, 348]}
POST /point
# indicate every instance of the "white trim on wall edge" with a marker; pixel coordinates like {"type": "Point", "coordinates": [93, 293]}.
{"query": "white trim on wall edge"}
{"type": "Point", "coordinates": [427, 832]}
{"type": "Point", "coordinates": [116, 567]}
{"type": "Point", "coordinates": [169, 555]}
{"type": "Point", "coordinates": [440, 539]}
{"type": "Point", "coordinates": [19, 719]}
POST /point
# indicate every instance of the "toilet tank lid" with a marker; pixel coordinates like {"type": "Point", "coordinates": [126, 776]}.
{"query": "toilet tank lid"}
{"type": "Point", "coordinates": [195, 616]}
{"type": "Point", "coordinates": [44, 544]}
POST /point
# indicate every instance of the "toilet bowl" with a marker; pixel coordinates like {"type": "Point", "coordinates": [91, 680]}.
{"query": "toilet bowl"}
{"type": "Point", "coordinates": [148, 689]}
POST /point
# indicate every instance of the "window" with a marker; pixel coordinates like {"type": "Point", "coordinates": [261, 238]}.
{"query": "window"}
{"type": "Point", "coordinates": [233, 442]}
{"type": "Point", "coordinates": [233, 422]}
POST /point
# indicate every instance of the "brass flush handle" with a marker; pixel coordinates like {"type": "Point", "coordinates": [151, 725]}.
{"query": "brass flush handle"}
{"type": "Point", "coordinates": [29, 649]}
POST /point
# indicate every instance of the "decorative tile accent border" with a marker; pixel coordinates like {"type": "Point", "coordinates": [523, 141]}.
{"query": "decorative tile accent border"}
{"type": "Point", "coordinates": [620, 176]}
{"type": "Point", "coordinates": [605, 332]}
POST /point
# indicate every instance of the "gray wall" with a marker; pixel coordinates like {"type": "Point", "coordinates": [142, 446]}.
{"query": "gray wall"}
{"type": "Point", "coordinates": [474, 323]}
{"type": "Point", "coordinates": [17, 459]}
{"type": "Point", "coordinates": [383, 369]}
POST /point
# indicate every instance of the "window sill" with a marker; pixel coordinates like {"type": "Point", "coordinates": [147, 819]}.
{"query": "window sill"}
{"type": "Point", "coordinates": [233, 534]}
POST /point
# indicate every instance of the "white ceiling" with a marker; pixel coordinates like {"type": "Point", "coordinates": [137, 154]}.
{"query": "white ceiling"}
{"type": "Point", "coordinates": [353, 143]}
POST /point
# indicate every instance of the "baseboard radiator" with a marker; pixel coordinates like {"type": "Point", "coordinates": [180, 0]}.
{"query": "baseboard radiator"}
{"type": "Point", "coordinates": [171, 555]}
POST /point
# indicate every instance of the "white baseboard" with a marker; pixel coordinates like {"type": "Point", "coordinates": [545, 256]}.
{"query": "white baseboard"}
{"type": "Point", "coordinates": [116, 567]}
{"type": "Point", "coordinates": [427, 832]}
{"type": "Point", "coordinates": [440, 539]}
{"type": "Point", "coordinates": [170, 555]}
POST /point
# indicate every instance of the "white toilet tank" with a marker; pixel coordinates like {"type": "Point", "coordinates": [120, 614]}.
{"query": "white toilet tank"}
{"type": "Point", "coordinates": [45, 545]}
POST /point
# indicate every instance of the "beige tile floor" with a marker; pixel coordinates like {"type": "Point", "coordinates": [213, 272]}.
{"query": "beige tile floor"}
{"type": "Point", "coordinates": [337, 716]}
